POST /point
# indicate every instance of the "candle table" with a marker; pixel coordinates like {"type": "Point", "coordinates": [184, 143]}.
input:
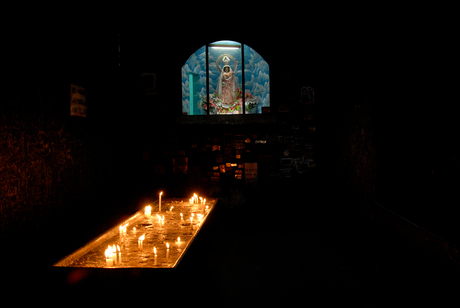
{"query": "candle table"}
{"type": "Point", "coordinates": [159, 246]}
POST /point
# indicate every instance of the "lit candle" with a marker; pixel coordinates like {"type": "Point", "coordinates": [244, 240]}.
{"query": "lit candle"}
{"type": "Point", "coordinates": [123, 232]}
{"type": "Point", "coordinates": [167, 251]}
{"type": "Point", "coordinates": [141, 242]}
{"type": "Point", "coordinates": [148, 211]}
{"type": "Point", "coordinates": [159, 202]}
{"type": "Point", "coordinates": [113, 255]}
{"type": "Point", "coordinates": [134, 230]}
{"type": "Point", "coordinates": [179, 244]}
{"type": "Point", "coordinates": [155, 253]}
{"type": "Point", "coordinates": [171, 209]}
{"type": "Point", "coordinates": [109, 256]}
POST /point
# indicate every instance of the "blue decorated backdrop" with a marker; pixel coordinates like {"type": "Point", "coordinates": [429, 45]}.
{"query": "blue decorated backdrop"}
{"type": "Point", "coordinates": [256, 75]}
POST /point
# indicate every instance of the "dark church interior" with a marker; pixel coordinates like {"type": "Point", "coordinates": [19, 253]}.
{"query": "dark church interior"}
{"type": "Point", "coordinates": [355, 190]}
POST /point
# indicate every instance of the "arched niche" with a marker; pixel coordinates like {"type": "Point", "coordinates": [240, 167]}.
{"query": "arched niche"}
{"type": "Point", "coordinates": [225, 78]}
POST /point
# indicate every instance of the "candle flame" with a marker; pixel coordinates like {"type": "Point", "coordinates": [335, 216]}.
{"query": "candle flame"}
{"type": "Point", "coordinates": [167, 245]}
{"type": "Point", "coordinates": [178, 239]}
{"type": "Point", "coordinates": [142, 237]}
{"type": "Point", "coordinates": [171, 208]}
{"type": "Point", "coordinates": [161, 193]}
{"type": "Point", "coordinates": [118, 249]}
{"type": "Point", "coordinates": [108, 252]}
{"type": "Point", "coordinates": [148, 210]}
{"type": "Point", "coordinates": [155, 250]}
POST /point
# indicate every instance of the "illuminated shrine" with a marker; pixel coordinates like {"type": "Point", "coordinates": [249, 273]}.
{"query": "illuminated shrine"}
{"type": "Point", "coordinates": [225, 77]}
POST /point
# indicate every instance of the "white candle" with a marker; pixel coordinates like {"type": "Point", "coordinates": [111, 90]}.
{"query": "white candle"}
{"type": "Point", "coordinates": [123, 232]}
{"type": "Point", "coordinates": [109, 256]}
{"type": "Point", "coordinates": [155, 253]}
{"type": "Point", "coordinates": [141, 241]}
{"type": "Point", "coordinates": [179, 244]}
{"type": "Point", "coordinates": [148, 211]}
{"type": "Point", "coordinates": [167, 251]}
{"type": "Point", "coordinates": [159, 202]}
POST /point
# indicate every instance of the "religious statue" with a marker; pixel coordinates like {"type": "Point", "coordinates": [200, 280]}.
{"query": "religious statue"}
{"type": "Point", "coordinates": [227, 85]}
{"type": "Point", "coordinates": [228, 97]}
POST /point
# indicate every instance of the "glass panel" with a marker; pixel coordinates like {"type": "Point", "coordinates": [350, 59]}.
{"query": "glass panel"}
{"type": "Point", "coordinates": [225, 76]}
{"type": "Point", "coordinates": [256, 81]}
{"type": "Point", "coordinates": [194, 83]}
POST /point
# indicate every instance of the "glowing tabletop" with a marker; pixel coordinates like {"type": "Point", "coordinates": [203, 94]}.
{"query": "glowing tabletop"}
{"type": "Point", "coordinates": [154, 239]}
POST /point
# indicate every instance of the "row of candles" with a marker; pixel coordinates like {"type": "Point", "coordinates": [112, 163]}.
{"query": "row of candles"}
{"type": "Point", "coordinates": [113, 253]}
{"type": "Point", "coordinates": [161, 219]}
{"type": "Point", "coordinates": [193, 200]}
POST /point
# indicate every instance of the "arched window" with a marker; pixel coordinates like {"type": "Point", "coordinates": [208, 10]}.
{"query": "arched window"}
{"type": "Point", "coordinates": [225, 77]}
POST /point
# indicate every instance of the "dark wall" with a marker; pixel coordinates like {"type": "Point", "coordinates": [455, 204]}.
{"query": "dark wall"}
{"type": "Point", "coordinates": [54, 165]}
{"type": "Point", "coordinates": [369, 127]}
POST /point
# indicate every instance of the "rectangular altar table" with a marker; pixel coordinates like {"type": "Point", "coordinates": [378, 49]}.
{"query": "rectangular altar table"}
{"type": "Point", "coordinates": [156, 240]}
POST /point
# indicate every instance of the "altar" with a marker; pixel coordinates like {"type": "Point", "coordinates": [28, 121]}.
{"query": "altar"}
{"type": "Point", "coordinates": [157, 236]}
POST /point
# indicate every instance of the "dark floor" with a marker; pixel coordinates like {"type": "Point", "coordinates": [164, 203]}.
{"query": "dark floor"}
{"type": "Point", "coordinates": [276, 246]}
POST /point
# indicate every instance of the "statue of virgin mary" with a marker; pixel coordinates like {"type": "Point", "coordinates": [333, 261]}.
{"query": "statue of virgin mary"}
{"type": "Point", "coordinates": [227, 84]}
